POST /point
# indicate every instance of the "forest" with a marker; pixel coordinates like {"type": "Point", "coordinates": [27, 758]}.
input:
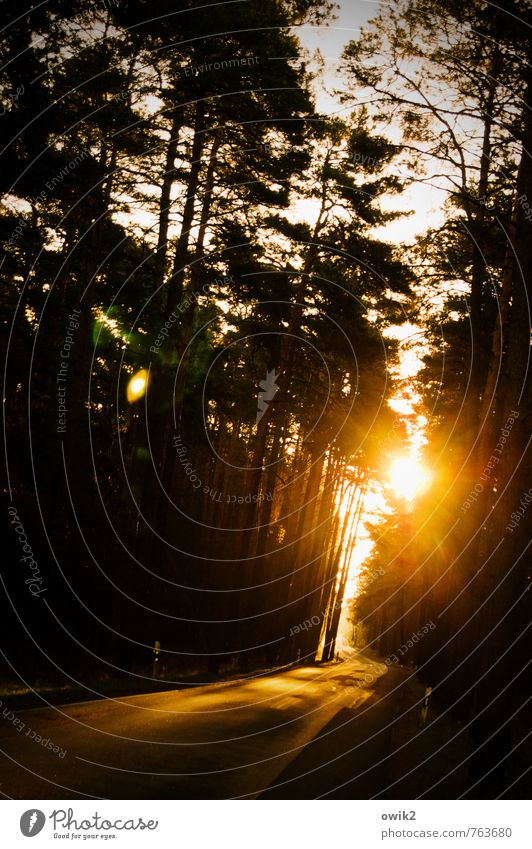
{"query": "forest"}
{"type": "Point", "coordinates": [205, 320]}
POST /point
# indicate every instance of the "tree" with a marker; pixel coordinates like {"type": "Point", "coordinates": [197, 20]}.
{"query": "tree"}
{"type": "Point", "coordinates": [444, 70]}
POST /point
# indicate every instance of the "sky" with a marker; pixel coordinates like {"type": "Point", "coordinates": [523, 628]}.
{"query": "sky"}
{"type": "Point", "coordinates": [330, 41]}
{"type": "Point", "coordinates": [422, 202]}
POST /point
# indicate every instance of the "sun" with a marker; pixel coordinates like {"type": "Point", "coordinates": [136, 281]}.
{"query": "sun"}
{"type": "Point", "coordinates": [408, 477]}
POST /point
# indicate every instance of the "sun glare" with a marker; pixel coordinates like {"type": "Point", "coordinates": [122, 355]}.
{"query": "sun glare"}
{"type": "Point", "coordinates": [408, 477]}
{"type": "Point", "coordinates": [137, 386]}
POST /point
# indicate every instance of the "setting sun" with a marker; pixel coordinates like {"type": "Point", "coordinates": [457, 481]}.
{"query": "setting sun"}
{"type": "Point", "coordinates": [408, 477]}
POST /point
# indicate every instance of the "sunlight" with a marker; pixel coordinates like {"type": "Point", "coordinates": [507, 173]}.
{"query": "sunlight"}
{"type": "Point", "coordinates": [137, 386]}
{"type": "Point", "coordinates": [408, 477]}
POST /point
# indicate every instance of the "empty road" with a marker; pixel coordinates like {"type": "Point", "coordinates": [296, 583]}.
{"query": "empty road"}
{"type": "Point", "coordinates": [281, 735]}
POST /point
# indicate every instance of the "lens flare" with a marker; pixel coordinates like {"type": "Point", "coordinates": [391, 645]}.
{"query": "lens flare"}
{"type": "Point", "coordinates": [137, 386]}
{"type": "Point", "coordinates": [408, 477]}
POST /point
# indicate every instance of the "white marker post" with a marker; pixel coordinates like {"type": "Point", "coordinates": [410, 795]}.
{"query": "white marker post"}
{"type": "Point", "coordinates": [156, 650]}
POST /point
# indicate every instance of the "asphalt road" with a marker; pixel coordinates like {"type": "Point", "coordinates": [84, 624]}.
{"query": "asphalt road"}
{"type": "Point", "coordinates": [258, 737]}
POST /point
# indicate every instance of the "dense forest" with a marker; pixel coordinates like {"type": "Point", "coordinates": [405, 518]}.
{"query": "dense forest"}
{"type": "Point", "coordinates": [197, 299]}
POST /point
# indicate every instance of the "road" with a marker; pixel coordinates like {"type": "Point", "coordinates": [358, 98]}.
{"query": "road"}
{"type": "Point", "coordinates": [263, 737]}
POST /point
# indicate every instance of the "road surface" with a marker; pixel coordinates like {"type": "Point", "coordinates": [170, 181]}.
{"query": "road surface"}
{"type": "Point", "coordinates": [282, 735]}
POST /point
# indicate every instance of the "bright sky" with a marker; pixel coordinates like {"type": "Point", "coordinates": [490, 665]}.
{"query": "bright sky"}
{"type": "Point", "coordinates": [422, 201]}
